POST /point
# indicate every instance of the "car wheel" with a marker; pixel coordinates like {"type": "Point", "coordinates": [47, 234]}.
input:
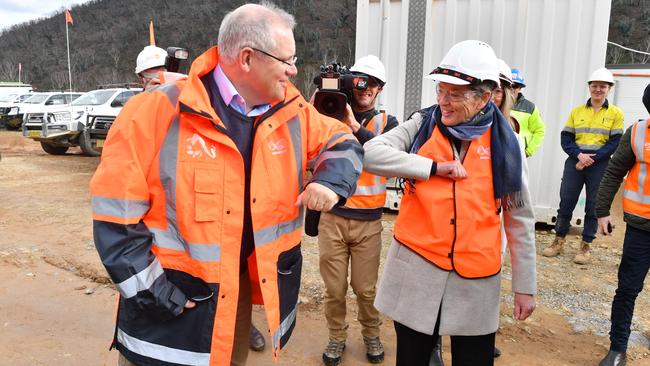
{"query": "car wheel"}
{"type": "Point", "coordinates": [14, 124]}
{"type": "Point", "coordinates": [88, 145]}
{"type": "Point", "coordinates": [53, 149]}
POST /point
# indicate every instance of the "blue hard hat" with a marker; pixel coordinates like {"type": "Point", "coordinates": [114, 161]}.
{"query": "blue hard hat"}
{"type": "Point", "coordinates": [518, 77]}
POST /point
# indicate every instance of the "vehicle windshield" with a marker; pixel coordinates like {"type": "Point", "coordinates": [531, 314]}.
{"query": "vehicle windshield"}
{"type": "Point", "coordinates": [95, 97]}
{"type": "Point", "coordinates": [36, 98]}
{"type": "Point", "coordinates": [8, 97]}
{"type": "Point", "coordinates": [24, 97]}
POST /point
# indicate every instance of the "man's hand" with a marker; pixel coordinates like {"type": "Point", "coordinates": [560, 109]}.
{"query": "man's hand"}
{"type": "Point", "coordinates": [188, 305]}
{"type": "Point", "coordinates": [524, 306]}
{"type": "Point", "coordinates": [580, 166]}
{"type": "Point", "coordinates": [350, 120]}
{"type": "Point", "coordinates": [605, 223]}
{"type": "Point", "coordinates": [317, 197]}
{"type": "Point", "coordinates": [451, 169]}
{"type": "Point", "coordinates": [586, 159]}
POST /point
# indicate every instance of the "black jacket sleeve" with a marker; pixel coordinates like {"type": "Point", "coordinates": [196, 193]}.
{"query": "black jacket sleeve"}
{"type": "Point", "coordinates": [622, 161]}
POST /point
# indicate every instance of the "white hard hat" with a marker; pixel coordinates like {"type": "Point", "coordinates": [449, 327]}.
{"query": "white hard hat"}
{"type": "Point", "coordinates": [602, 74]}
{"type": "Point", "coordinates": [149, 57]}
{"type": "Point", "coordinates": [467, 62]}
{"type": "Point", "coordinates": [371, 66]}
{"type": "Point", "coordinates": [505, 73]}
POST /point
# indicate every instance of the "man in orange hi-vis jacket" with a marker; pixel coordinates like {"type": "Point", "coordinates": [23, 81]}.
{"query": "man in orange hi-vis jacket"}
{"type": "Point", "coordinates": [198, 200]}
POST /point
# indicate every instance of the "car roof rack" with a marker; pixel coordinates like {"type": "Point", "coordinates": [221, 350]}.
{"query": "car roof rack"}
{"type": "Point", "coordinates": [120, 85]}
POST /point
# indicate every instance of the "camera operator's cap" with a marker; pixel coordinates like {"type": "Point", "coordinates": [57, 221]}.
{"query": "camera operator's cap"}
{"type": "Point", "coordinates": [467, 62]}
{"type": "Point", "coordinates": [518, 78]}
{"type": "Point", "coordinates": [505, 75]}
{"type": "Point", "coordinates": [149, 57]}
{"type": "Point", "coordinates": [370, 65]}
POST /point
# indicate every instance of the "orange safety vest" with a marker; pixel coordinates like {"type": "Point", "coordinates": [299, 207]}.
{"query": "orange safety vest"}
{"type": "Point", "coordinates": [454, 224]}
{"type": "Point", "coordinates": [184, 178]}
{"type": "Point", "coordinates": [636, 194]}
{"type": "Point", "coordinates": [371, 188]}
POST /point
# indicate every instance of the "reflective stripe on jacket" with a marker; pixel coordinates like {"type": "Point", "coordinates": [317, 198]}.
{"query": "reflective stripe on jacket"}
{"type": "Point", "coordinates": [454, 224]}
{"type": "Point", "coordinates": [593, 129]}
{"type": "Point", "coordinates": [636, 194]}
{"type": "Point", "coordinates": [371, 188]}
{"type": "Point", "coordinates": [168, 216]}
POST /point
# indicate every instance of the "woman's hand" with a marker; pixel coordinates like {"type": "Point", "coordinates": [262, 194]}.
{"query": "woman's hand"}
{"type": "Point", "coordinates": [524, 306]}
{"type": "Point", "coordinates": [451, 169]}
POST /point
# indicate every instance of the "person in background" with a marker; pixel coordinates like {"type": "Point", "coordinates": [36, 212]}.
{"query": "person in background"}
{"type": "Point", "coordinates": [590, 136]}
{"type": "Point", "coordinates": [350, 235]}
{"type": "Point", "coordinates": [531, 126]}
{"type": "Point", "coordinates": [149, 63]}
{"type": "Point", "coordinates": [631, 158]}
{"type": "Point", "coordinates": [198, 198]}
{"type": "Point", "coordinates": [465, 179]}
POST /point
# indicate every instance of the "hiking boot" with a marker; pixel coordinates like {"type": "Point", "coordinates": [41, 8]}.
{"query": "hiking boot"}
{"type": "Point", "coordinates": [557, 247]}
{"type": "Point", "coordinates": [333, 352]}
{"type": "Point", "coordinates": [614, 358]}
{"type": "Point", "coordinates": [583, 256]}
{"type": "Point", "coordinates": [256, 340]}
{"type": "Point", "coordinates": [436, 355]}
{"type": "Point", "coordinates": [374, 350]}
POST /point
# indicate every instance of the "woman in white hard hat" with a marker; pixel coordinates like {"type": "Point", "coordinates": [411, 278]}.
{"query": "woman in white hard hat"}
{"type": "Point", "coordinates": [464, 169]}
{"type": "Point", "coordinates": [590, 137]}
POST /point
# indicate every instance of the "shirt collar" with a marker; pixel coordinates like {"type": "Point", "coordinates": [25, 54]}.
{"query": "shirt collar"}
{"type": "Point", "coordinates": [231, 96]}
{"type": "Point", "coordinates": [605, 105]}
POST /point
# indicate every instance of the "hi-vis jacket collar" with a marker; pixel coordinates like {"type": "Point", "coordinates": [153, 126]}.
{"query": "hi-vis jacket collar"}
{"type": "Point", "coordinates": [197, 96]}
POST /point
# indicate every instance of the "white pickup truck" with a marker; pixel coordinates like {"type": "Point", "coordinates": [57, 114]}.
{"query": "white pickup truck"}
{"type": "Point", "coordinates": [99, 121]}
{"type": "Point", "coordinates": [8, 101]}
{"type": "Point", "coordinates": [58, 129]}
{"type": "Point", "coordinates": [16, 114]}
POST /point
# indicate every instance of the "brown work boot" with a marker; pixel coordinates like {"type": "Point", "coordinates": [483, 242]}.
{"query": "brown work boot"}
{"type": "Point", "coordinates": [333, 352]}
{"type": "Point", "coordinates": [557, 247]}
{"type": "Point", "coordinates": [374, 349]}
{"type": "Point", "coordinates": [583, 256]}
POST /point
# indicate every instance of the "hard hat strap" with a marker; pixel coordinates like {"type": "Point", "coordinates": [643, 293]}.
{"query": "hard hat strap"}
{"type": "Point", "coordinates": [454, 73]}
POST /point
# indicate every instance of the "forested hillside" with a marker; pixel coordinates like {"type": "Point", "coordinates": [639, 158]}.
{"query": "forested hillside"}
{"type": "Point", "coordinates": [108, 34]}
{"type": "Point", "coordinates": [629, 26]}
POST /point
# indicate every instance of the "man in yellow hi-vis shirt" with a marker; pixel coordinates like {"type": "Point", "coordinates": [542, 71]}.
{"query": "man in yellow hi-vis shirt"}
{"type": "Point", "coordinates": [590, 136]}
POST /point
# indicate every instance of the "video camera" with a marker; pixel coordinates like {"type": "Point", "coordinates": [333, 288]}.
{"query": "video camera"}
{"type": "Point", "coordinates": [335, 84]}
{"type": "Point", "coordinates": [174, 57]}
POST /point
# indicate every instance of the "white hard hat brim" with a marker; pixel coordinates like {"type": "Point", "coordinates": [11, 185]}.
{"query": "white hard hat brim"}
{"type": "Point", "coordinates": [447, 79]}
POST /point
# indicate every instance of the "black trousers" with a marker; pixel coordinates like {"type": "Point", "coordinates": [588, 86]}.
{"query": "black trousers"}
{"type": "Point", "coordinates": [631, 274]}
{"type": "Point", "coordinates": [415, 348]}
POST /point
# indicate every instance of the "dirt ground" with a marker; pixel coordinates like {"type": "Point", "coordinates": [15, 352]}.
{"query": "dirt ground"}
{"type": "Point", "coordinates": [57, 304]}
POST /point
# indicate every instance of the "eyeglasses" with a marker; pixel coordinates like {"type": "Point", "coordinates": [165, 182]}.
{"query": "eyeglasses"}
{"type": "Point", "coordinates": [291, 62]}
{"type": "Point", "coordinates": [454, 95]}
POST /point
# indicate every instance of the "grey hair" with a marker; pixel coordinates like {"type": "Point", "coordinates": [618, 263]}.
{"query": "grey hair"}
{"type": "Point", "coordinates": [240, 29]}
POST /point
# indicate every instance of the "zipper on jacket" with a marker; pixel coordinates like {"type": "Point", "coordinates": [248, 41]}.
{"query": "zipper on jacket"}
{"type": "Point", "coordinates": [455, 219]}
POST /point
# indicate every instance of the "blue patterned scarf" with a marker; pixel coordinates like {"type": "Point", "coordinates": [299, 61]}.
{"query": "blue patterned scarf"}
{"type": "Point", "coordinates": [504, 148]}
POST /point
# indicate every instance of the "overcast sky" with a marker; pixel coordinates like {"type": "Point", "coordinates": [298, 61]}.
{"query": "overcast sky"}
{"type": "Point", "coordinates": [19, 11]}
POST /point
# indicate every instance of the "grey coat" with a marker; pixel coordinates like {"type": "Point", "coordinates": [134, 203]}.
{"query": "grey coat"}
{"type": "Point", "coordinates": [412, 289]}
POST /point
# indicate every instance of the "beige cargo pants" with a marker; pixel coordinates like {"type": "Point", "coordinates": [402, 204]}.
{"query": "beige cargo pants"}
{"type": "Point", "coordinates": [355, 243]}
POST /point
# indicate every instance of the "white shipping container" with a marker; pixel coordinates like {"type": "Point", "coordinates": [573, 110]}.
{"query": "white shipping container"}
{"type": "Point", "coordinates": [556, 43]}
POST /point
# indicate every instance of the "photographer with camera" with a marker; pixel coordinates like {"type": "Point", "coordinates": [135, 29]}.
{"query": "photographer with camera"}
{"type": "Point", "coordinates": [353, 232]}
{"type": "Point", "coordinates": [155, 66]}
